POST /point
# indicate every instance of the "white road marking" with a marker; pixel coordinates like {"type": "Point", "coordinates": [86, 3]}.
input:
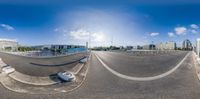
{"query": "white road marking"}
{"type": "Point", "coordinates": [142, 78]}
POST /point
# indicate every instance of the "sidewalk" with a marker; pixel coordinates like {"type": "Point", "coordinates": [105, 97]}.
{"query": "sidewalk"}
{"type": "Point", "coordinates": [197, 64]}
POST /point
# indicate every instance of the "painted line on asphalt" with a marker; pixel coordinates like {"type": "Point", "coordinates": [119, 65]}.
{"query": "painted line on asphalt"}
{"type": "Point", "coordinates": [142, 78]}
{"type": "Point", "coordinates": [17, 78]}
{"type": "Point", "coordinates": [63, 91]}
{"type": "Point", "coordinates": [86, 72]}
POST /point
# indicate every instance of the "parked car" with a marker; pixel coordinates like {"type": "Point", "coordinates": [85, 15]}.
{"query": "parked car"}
{"type": "Point", "coordinates": [66, 76]}
{"type": "Point", "coordinates": [8, 69]}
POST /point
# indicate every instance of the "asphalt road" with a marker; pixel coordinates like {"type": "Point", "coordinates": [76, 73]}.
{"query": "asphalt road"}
{"type": "Point", "coordinates": [100, 83]}
{"type": "Point", "coordinates": [141, 66]}
{"type": "Point", "coordinates": [41, 66]}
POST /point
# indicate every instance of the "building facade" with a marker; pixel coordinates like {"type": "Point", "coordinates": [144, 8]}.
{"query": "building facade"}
{"type": "Point", "coordinates": [187, 45]}
{"type": "Point", "coordinates": [129, 47]}
{"type": "Point", "coordinates": [166, 46]}
{"type": "Point", "coordinates": [8, 45]}
{"type": "Point", "coordinates": [60, 48]}
{"type": "Point", "coordinates": [149, 47]}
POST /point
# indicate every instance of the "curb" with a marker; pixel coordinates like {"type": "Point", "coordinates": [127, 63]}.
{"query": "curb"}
{"type": "Point", "coordinates": [10, 89]}
{"type": "Point", "coordinates": [67, 92]}
{"type": "Point", "coordinates": [88, 63]}
{"type": "Point", "coordinates": [197, 62]}
{"type": "Point", "coordinates": [78, 67]}
{"type": "Point", "coordinates": [32, 83]}
{"type": "Point", "coordinates": [81, 66]}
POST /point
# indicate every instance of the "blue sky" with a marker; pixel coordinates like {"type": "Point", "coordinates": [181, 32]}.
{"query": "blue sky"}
{"type": "Point", "coordinates": [103, 23]}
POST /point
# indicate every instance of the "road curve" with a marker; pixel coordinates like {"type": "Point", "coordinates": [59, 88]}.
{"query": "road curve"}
{"type": "Point", "coordinates": [141, 66]}
{"type": "Point", "coordinates": [100, 83]}
{"type": "Point", "coordinates": [142, 78]}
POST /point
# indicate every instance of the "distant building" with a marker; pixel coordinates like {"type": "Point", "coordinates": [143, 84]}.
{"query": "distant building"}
{"type": "Point", "coordinates": [121, 47]}
{"type": "Point", "coordinates": [53, 46]}
{"type": "Point", "coordinates": [129, 47]}
{"type": "Point", "coordinates": [9, 45]}
{"type": "Point", "coordinates": [149, 47]}
{"type": "Point", "coordinates": [60, 48]}
{"type": "Point", "coordinates": [134, 48]}
{"type": "Point", "coordinates": [115, 48]}
{"type": "Point", "coordinates": [187, 45]}
{"type": "Point", "coordinates": [198, 47]}
{"type": "Point", "coordinates": [87, 45]}
{"type": "Point", "coordinates": [166, 46]}
{"type": "Point", "coordinates": [139, 47]}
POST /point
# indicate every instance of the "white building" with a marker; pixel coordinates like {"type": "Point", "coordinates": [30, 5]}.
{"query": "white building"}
{"type": "Point", "coordinates": [56, 47]}
{"type": "Point", "coordinates": [166, 46]}
{"type": "Point", "coordinates": [198, 46]}
{"type": "Point", "coordinates": [7, 44]}
{"type": "Point", "coordinates": [149, 47]}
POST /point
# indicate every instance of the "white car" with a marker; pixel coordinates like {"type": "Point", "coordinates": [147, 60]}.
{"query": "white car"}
{"type": "Point", "coordinates": [8, 69]}
{"type": "Point", "coordinates": [66, 76]}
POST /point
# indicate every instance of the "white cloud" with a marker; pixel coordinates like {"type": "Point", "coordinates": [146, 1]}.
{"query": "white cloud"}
{"type": "Point", "coordinates": [80, 34]}
{"type": "Point", "coordinates": [107, 22]}
{"type": "Point", "coordinates": [61, 30]}
{"type": "Point", "coordinates": [3, 39]}
{"type": "Point", "coordinates": [194, 26]}
{"type": "Point", "coordinates": [98, 37]}
{"type": "Point", "coordinates": [180, 30]}
{"type": "Point", "coordinates": [170, 34]}
{"type": "Point", "coordinates": [7, 27]}
{"type": "Point", "coordinates": [154, 34]}
{"type": "Point", "coordinates": [56, 30]}
{"type": "Point", "coordinates": [194, 31]}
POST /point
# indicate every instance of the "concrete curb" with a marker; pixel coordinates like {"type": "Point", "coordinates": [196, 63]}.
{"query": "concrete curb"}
{"type": "Point", "coordinates": [3, 84]}
{"type": "Point", "coordinates": [197, 64]}
{"type": "Point", "coordinates": [44, 80]}
{"type": "Point", "coordinates": [14, 77]}
{"type": "Point", "coordinates": [77, 68]}
{"type": "Point", "coordinates": [84, 75]}
{"type": "Point", "coordinates": [67, 92]}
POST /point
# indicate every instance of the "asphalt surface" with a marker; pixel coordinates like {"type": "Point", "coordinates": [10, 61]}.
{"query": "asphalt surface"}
{"type": "Point", "coordinates": [141, 66]}
{"type": "Point", "coordinates": [100, 83]}
{"type": "Point", "coordinates": [41, 66]}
